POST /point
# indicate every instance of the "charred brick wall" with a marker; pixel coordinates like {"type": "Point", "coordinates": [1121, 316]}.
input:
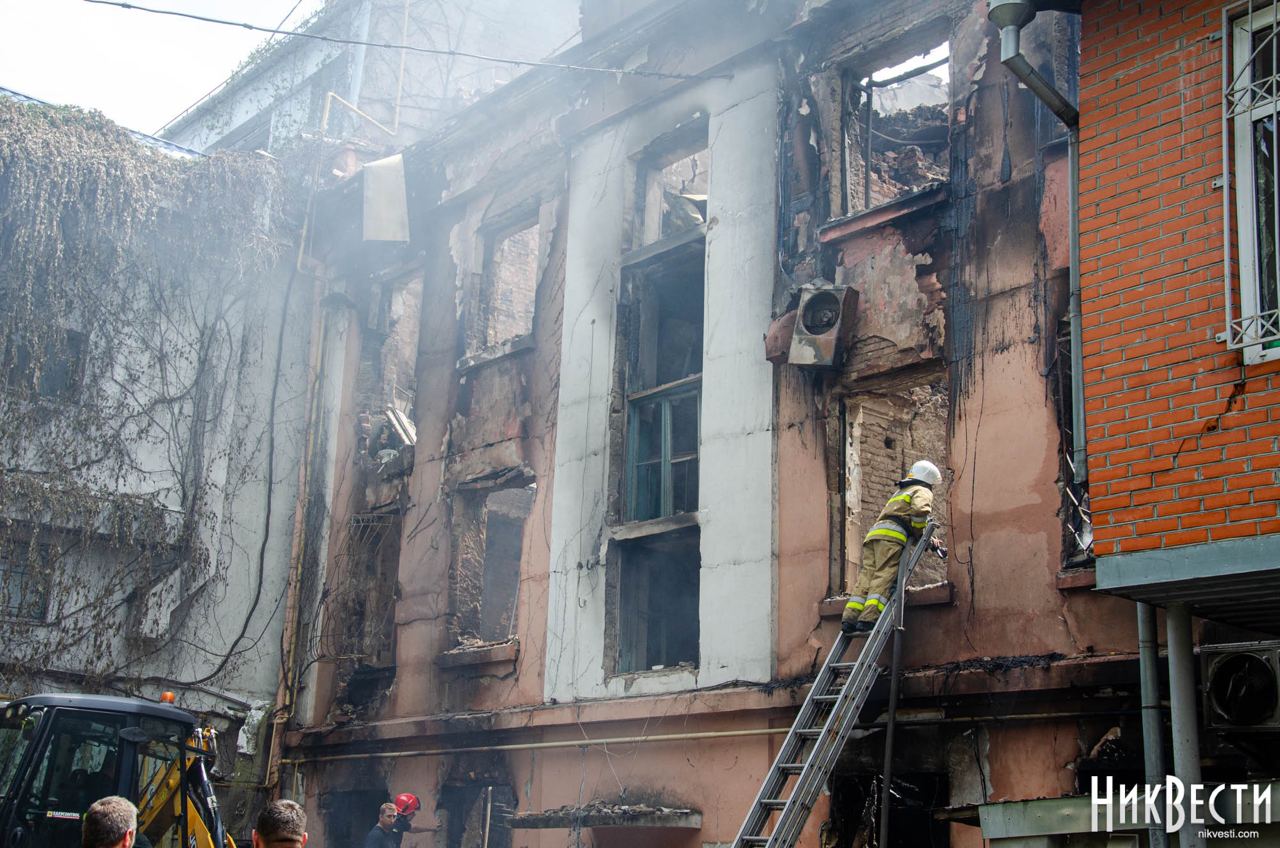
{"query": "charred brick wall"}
{"type": "Point", "coordinates": [1183, 437]}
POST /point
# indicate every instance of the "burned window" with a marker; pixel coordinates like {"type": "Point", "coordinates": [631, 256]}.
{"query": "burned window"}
{"type": "Point", "coordinates": [896, 130]}
{"type": "Point", "coordinates": [888, 427]}
{"type": "Point", "coordinates": [671, 196]}
{"type": "Point", "coordinates": [56, 373]}
{"type": "Point", "coordinates": [505, 309]}
{"type": "Point", "coordinates": [664, 317]}
{"type": "Point", "coordinates": [360, 598]}
{"type": "Point", "coordinates": [490, 539]}
{"type": "Point", "coordinates": [1078, 517]}
{"type": "Point", "coordinates": [657, 613]}
{"type": "Point", "coordinates": [25, 575]}
{"type": "Point", "coordinates": [662, 322]}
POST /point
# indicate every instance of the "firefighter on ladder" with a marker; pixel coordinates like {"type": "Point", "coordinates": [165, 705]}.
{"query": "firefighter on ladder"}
{"type": "Point", "coordinates": [903, 517]}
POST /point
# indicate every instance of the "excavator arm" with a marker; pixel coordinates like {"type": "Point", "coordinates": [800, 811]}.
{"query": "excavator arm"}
{"type": "Point", "coordinates": [183, 789]}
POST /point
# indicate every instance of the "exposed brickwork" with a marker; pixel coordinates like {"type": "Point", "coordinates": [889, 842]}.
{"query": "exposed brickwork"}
{"type": "Point", "coordinates": [1184, 440]}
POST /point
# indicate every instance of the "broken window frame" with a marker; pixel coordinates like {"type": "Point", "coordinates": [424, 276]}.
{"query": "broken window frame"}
{"type": "Point", "coordinates": [1076, 511]}
{"type": "Point", "coordinates": [355, 629]}
{"type": "Point", "coordinates": [631, 618]}
{"type": "Point", "coordinates": [472, 504]}
{"type": "Point", "coordinates": [865, 112]}
{"type": "Point", "coordinates": [490, 237]}
{"type": "Point", "coordinates": [1252, 324]}
{"type": "Point", "coordinates": [686, 141]}
{"type": "Point", "coordinates": [652, 254]}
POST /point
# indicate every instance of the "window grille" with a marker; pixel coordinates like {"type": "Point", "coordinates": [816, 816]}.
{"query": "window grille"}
{"type": "Point", "coordinates": [1251, 112]}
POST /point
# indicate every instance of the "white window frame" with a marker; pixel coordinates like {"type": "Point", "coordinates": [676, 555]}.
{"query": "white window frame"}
{"type": "Point", "coordinates": [1244, 103]}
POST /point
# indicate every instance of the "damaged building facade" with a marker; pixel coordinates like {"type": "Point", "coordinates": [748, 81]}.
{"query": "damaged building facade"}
{"type": "Point", "coordinates": [552, 445]}
{"type": "Point", "coordinates": [674, 333]}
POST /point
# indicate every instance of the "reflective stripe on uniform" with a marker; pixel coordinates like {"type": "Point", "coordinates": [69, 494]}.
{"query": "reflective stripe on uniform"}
{"type": "Point", "coordinates": [906, 496]}
{"type": "Point", "coordinates": [919, 525]}
{"type": "Point", "coordinates": [887, 533]}
{"type": "Point", "coordinates": [855, 604]}
{"type": "Point", "coordinates": [877, 601]}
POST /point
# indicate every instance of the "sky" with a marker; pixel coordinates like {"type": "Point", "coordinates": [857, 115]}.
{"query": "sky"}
{"type": "Point", "coordinates": [139, 69]}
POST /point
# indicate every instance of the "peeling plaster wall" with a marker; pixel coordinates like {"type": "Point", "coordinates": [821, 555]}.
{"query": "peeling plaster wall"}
{"type": "Point", "coordinates": [969, 284]}
{"type": "Point", "coordinates": [735, 489]}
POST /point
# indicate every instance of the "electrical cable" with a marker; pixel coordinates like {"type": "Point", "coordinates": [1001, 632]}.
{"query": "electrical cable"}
{"type": "Point", "coordinates": [410, 47]}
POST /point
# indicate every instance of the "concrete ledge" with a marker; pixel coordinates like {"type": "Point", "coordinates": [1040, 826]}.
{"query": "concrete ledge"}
{"type": "Point", "coordinates": [753, 705]}
{"type": "Point", "coordinates": [1076, 578]}
{"type": "Point", "coordinates": [1234, 580]}
{"type": "Point", "coordinates": [933, 595]}
{"type": "Point", "coordinates": [496, 353]}
{"type": "Point", "coordinates": [480, 655]}
{"type": "Point", "coordinates": [876, 216]}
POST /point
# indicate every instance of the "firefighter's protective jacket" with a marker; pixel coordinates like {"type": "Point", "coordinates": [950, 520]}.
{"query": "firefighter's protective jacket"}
{"type": "Point", "coordinates": [905, 515]}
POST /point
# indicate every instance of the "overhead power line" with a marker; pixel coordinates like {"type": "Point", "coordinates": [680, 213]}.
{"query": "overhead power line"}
{"type": "Point", "coordinates": [501, 60]}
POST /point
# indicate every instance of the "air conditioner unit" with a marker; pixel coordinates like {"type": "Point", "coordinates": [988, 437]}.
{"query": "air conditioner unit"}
{"type": "Point", "coordinates": [824, 326]}
{"type": "Point", "coordinates": [1242, 686]}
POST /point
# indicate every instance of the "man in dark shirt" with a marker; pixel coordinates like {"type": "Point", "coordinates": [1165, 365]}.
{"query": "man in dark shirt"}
{"type": "Point", "coordinates": [384, 833]}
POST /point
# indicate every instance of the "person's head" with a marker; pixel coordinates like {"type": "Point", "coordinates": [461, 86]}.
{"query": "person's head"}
{"type": "Point", "coordinates": [281, 824]}
{"type": "Point", "coordinates": [110, 822]}
{"type": "Point", "coordinates": [925, 473]}
{"type": "Point", "coordinates": [386, 815]}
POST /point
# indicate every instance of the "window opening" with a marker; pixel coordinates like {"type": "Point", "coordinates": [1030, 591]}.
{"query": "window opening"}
{"type": "Point", "coordinates": [56, 374]}
{"type": "Point", "coordinates": [1075, 492]}
{"type": "Point", "coordinates": [487, 578]}
{"type": "Point", "coordinates": [24, 580]}
{"type": "Point", "coordinates": [505, 312]}
{"type": "Point", "coordinates": [1251, 111]}
{"type": "Point", "coordinates": [672, 195]}
{"type": "Point", "coordinates": [898, 130]}
{"type": "Point", "coordinates": [360, 600]}
{"type": "Point", "coordinates": [664, 375]}
{"type": "Point", "coordinates": [658, 602]}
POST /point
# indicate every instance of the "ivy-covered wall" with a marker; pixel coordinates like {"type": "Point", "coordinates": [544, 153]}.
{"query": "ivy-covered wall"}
{"type": "Point", "coordinates": [152, 406]}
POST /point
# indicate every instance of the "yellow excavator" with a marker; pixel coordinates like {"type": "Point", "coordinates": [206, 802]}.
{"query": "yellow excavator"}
{"type": "Point", "coordinates": [60, 753]}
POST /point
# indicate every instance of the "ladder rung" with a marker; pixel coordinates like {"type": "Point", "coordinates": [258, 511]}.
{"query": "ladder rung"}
{"type": "Point", "coordinates": [773, 803]}
{"type": "Point", "coordinates": [809, 732]}
{"type": "Point", "coordinates": [825, 699]}
{"type": "Point", "coordinates": [791, 768]}
{"type": "Point", "coordinates": [755, 840]}
{"type": "Point", "coordinates": [843, 666]}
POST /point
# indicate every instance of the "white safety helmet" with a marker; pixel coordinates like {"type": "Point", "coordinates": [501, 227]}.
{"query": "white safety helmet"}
{"type": "Point", "coordinates": [926, 472]}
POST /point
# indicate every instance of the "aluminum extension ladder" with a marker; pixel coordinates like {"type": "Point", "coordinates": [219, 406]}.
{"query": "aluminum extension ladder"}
{"type": "Point", "coordinates": [826, 718]}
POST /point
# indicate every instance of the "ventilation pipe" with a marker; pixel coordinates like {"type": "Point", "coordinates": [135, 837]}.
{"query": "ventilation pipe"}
{"type": "Point", "coordinates": [1010, 16]}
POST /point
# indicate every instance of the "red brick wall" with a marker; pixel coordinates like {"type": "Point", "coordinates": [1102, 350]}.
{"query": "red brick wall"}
{"type": "Point", "coordinates": [1182, 437]}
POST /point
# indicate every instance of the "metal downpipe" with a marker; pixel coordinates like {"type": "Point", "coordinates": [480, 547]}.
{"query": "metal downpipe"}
{"type": "Point", "coordinates": [1152, 720]}
{"type": "Point", "coordinates": [1182, 711]}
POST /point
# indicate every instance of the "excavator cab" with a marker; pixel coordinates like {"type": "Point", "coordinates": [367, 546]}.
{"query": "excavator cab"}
{"type": "Point", "coordinates": [60, 753]}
